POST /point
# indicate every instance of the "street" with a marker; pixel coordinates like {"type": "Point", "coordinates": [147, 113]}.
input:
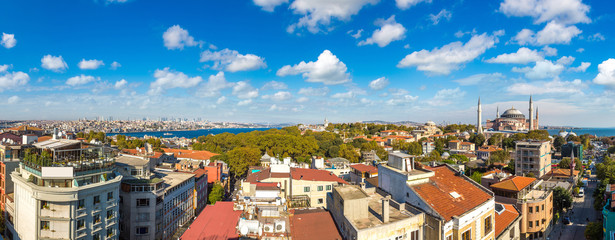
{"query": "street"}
{"type": "Point", "coordinates": [582, 210]}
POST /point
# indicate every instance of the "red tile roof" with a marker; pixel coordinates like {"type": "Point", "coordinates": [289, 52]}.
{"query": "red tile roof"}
{"type": "Point", "coordinates": [44, 138]}
{"type": "Point", "coordinates": [562, 172]}
{"type": "Point", "coordinates": [514, 183]}
{"type": "Point", "coordinates": [504, 219]}
{"type": "Point", "coordinates": [193, 154]}
{"type": "Point", "coordinates": [437, 193]}
{"type": "Point", "coordinates": [217, 221]}
{"type": "Point", "coordinates": [315, 175]}
{"type": "Point", "coordinates": [364, 168]}
{"type": "Point", "coordinates": [313, 224]}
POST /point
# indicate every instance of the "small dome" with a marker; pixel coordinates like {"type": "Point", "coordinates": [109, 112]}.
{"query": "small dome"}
{"type": "Point", "coordinates": [446, 155]}
{"type": "Point", "coordinates": [430, 123]}
{"type": "Point", "coordinates": [513, 113]}
{"type": "Point", "coordinates": [572, 134]}
{"type": "Point", "coordinates": [563, 134]}
{"type": "Point", "coordinates": [465, 133]}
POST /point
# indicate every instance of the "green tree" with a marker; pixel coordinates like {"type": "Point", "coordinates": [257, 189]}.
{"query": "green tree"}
{"type": "Point", "coordinates": [459, 158]}
{"type": "Point", "coordinates": [241, 158]}
{"type": "Point", "coordinates": [565, 163]}
{"type": "Point", "coordinates": [347, 151]}
{"type": "Point", "coordinates": [562, 198]}
{"type": "Point", "coordinates": [593, 231]}
{"type": "Point", "coordinates": [499, 156]}
{"type": "Point", "coordinates": [478, 139]}
{"type": "Point", "coordinates": [558, 142]}
{"type": "Point", "coordinates": [476, 176]}
{"type": "Point", "coordinates": [216, 194]}
{"type": "Point", "coordinates": [496, 139]}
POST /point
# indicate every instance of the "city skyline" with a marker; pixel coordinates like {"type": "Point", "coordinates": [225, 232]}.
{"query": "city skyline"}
{"type": "Point", "coordinates": [301, 61]}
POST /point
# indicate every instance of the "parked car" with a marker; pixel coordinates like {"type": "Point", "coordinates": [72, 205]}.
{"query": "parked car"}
{"type": "Point", "coordinates": [566, 220]}
{"type": "Point", "coordinates": [581, 192]}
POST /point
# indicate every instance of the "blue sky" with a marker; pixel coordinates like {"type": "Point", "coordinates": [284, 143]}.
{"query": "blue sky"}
{"type": "Point", "coordinates": [304, 60]}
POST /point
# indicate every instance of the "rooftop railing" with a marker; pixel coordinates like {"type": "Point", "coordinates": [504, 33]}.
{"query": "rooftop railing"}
{"type": "Point", "coordinates": [80, 159]}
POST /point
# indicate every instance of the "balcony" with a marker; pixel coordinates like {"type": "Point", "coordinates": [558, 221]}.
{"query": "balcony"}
{"type": "Point", "coordinates": [82, 158]}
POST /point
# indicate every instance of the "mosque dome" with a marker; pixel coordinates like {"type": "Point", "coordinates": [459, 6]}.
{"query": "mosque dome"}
{"type": "Point", "coordinates": [563, 134]}
{"type": "Point", "coordinates": [430, 123]}
{"type": "Point", "coordinates": [513, 113]}
{"type": "Point", "coordinates": [446, 155]}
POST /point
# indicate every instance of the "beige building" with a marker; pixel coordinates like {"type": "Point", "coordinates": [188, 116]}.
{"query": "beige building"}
{"type": "Point", "coordinates": [534, 201]}
{"type": "Point", "coordinates": [507, 222]}
{"type": "Point", "coordinates": [367, 214]}
{"type": "Point", "coordinates": [302, 187]}
{"type": "Point", "coordinates": [532, 157]}
{"type": "Point", "coordinates": [66, 189]}
{"type": "Point", "coordinates": [456, 207]}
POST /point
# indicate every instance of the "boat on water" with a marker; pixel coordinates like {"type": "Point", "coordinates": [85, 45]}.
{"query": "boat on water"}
{"type": "Point", "coordinates": [167, 134]}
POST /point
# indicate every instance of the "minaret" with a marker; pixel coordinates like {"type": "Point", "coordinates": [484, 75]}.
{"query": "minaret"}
{"type": "Point", "coordinates": [531, 114]}
{"type": "Point", "coordinates": [536, 118]}
{"type": "Point", "coordinates": [479, 127]}
{"type": "Point", "coordinates": [497, 112]}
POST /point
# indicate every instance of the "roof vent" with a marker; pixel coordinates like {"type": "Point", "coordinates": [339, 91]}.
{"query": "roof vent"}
{"type": "Point", "coordinates": [455, 195]}
{"type": "Point", "coordinates": [499, 208]}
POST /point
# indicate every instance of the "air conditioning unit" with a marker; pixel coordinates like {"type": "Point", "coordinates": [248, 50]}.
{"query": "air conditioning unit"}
{"type": "Point", "coordinates": [268, 228]}
{"type": "Point", "coordinates": [280, 226]}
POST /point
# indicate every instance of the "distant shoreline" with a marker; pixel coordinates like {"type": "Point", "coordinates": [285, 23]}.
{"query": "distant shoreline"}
{"type": "Point", "coordinates": [182, 130]}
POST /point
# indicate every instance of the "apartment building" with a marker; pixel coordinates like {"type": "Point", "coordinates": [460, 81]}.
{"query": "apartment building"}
{"type": "Point", "coordinates": [65, 189]}
{"type": "Point", "coordinates": [153, 203]}
{"type": "Point", "coordinates": [455, 206]}
{"type": "Point", "coordinates": [534, 201]}
{"type": "Point", "coordinates": [532, 157]}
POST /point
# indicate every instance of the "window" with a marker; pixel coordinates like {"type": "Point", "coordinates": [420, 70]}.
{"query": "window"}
{"type": "Point", "coordinates": [110, 214]}
{"type": "Point", "coordinates": [543, 207]}
{"type": "Point", "coordinates": [44, 204]}
{"type": "Point", "coordinates": [80, 224]}
{"type": "Point", "coordinates": [537, 223]}
{"type": "Point", "coordinates": [81, 204]}
{"type": "Point", "coordinates": [488, 225]}
{"type": "Point", "coordinates": [449, 237]}
{"type": "Point", "coordinates": [109, 196]}
{"type": "Point", "coordinates": [96, 218]}
{"type": "Point", "coordinates": [109, 232]}
{"type": "Point", "coordinates": [512, 233]}
{"type": "Point", "coordinates": [96, 236]}
{"type": "Point", "coordinates": [328, 187]}
{"type": "Point", "coordinates": [142, 230]}
{"type": "Point", "coordinates": [531, 209]}
{"type": "Point", "coordinates": [414, 235]}
{"type": "Point", "coordinates": [96, 199]}
{"type": "Point", "coordinates": [142, 202]}
{"type": "Point", "coordinates": [537, 209]}
{"type": "Point", "coordinates": [320, 188]}
{"type": "Point", "coordinates": [467, 235]}
{"type": "Point", "coordinates": [530, 224]}
{"type": "Point", "coordinates": [45, 225]}
{"type": "Point", "coordinates": [320, 201]}
{"type": "Point", "coordinates": [306, 189]}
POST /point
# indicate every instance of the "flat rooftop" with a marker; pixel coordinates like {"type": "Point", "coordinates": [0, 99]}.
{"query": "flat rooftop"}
{"type": "Point", "coordinates": [131, 160]}
{"type": "Point", "coordinates": [351, 192]}
{"type": "Point", "coordinates": [375, 210]}
{"type": "Point", "coordinates": [173, 178]}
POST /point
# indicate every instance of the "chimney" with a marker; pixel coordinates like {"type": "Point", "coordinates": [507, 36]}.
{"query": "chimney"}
{"type": "Point", "coordinates": [55, 133]}
{"type": "Point", "coordinates": [385, 209]}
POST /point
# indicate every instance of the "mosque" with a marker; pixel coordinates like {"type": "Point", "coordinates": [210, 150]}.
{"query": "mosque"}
{"type": "Point", "coordinates": [511, 120]}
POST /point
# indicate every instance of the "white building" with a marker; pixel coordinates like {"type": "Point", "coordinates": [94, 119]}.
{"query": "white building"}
{"type": "Point", "coordinates": [66, 189]}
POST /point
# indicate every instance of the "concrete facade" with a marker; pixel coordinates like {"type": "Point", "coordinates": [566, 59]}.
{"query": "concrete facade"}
{"type": "Point", "coordinates": [532, 157]}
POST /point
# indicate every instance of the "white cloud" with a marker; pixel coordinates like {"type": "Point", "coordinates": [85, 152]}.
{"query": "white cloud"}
{"type": "Point", "coordinates": [269, 5]}
{"type": "Point", "coordinates": [581, 50]}
{"type": "Point", "coordinates": [542, 69]}
{"type": "Point", "coordinates": [565, 60]}
{"type": "Point", "coordinates": [214, 85]}
{"type": "Point", "coordinates": [522, 56]}
{"type": "Point", "coordinates": [221, 100]}
{"type": "Point", "coordinates": [549, 51]}
{"type": "Point", "coordinates": [52, 63]}
{"type": "Point", "coordinates": [8, 40]}
{"type": "Point", "coordinates": [443, 14]}
{"type": "Point", "coordinates": [244, 102]}
{"type": "Point", "coordinates": [349, 94]}
{"type": "Point", "coordinates": [232, 61]}
{"type": "Point", "coordinates": [4, 68]}
{"type": "Point", "coordinates": [553, 33]}
{"type": "Point", "coordinates": [115, 1]}
{"type": "Point", "coordinates": [302, 99]}
{"type": "Point", "coordinates": [279, 96]}
{"type": "Point", "coordinates": [167, 79]}
{"type": "Point", "coordinates": [405, 4]}
{"type": "Point", "coordinates": [244, 90]}
{"type": "Point", "coordinates": [355, 35]}
{"type": "Point", "coordinates": [319, 13]}
{"type": "Point", "coordinates": [446, 96]}
{"type": "Point", "coordinates": [274, 85]}
{"type": "Point", "coordinates": [404, 99]}
{"type": "Point", "coordinates": [561, 11]}
{"type": "Point", "coordinates": [606, 75]}
{"type": "Point", "coordinates": [551, 87]}
{"type": "Point", "coordinates": [314, 92]}
{"type": "Point", "coordinates": [11, 80]}
{"type": "Point", "coordinates": [80, 80]}
{"type": "Point", "coordinates": [13, 100]}
{"type": "Point", "coordinates": [389, 31]}
{"type": "Point", "coordinates": [379, 83]}
{"type": "Point", "coordinates": [328, 69]}
{"type": "Point", "coordinates": [115, 65]}
{"type": "Point", "coordinates": [176, 38]}
{"type": "Point", "coordinates": [120, 84]}
{"type": "Point", "coordinates": [451, 56]}
{"type": "Point", "coordinates": [596, 37]}
{"type": "Point", "coordinates": [90, 64]}
{"type": "Point", "coordinates": [480, 78]}
{"type": "Point", "coordinates": [582, 67]}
